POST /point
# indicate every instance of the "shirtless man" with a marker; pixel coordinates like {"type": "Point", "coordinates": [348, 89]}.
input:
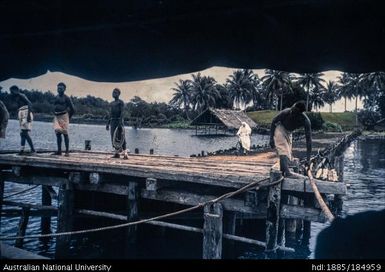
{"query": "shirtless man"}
{"type": "Point", "coordinates": [25, 117]}
{"type": "Point", "coordinates": [280, 135]}
{"type": "Point", "coordinates": [115, 123]}
{"type": "Point", "coordinates": [63, 111]}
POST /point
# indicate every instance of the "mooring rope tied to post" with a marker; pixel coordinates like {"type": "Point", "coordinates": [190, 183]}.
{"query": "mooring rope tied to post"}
{"type": "Point", "coordinates": [21, 192]}
{"type": "Point", "coordinates": [200, 205]}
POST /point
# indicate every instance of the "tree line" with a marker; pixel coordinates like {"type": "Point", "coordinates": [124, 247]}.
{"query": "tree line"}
{"type": "Point", "coordinates": [277, 90]}
{"type": "Point", "coordinates": [242, 90]}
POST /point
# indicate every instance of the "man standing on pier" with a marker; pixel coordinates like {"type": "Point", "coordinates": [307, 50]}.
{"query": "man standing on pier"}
{"type": "Point", "coordinates": [116, 125]}
{"type": "Point", "coordinates": [281, 130]}
{"type": "Point", "coordinates": [63, 111]}
{"type": "Point", "coordinates": [25, 117]}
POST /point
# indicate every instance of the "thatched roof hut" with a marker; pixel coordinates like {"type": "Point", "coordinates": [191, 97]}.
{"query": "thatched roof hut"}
{"type": "Point", "coordinates": [227, 120]}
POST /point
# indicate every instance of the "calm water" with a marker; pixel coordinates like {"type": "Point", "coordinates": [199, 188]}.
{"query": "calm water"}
{"type": "Point", "coordinates": [364, 171]}
{"type": "Point", "coordinates": [164, 141]}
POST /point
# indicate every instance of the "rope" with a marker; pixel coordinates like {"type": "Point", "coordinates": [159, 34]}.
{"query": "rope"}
{"type": "Point", "coordinates": [20, 192]}
{"type": "Point", "coordinates": [325, 209]}
{"type": "Point", "coordinates": [200, 205]}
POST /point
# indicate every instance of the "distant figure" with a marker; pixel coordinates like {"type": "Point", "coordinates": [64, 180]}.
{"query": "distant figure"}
{"type": "Point", "coordinates": [25, 117]}
{"type": "Point", "coordinates": [63, 111]}
{"type": "Point", "coordinates": [116, 126]}
{"type": "Point", "coordinates": [244, 134]}
{"type": "Point", "coordinates": [358, 236]}
{"type": "Point", "coordinates": [281, 130]}
{"type": "Point", "coordinates": [4, 116]}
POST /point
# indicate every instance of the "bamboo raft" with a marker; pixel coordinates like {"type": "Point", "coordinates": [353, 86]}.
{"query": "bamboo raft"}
{"type": "Point", "coordinates": [168, 179]}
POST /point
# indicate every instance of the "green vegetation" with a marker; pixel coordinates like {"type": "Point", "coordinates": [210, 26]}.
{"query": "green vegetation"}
{"type": "Point", "coordinates": [332, 121]}
{"type": "Point", "coordinates": [345, 119]}
{"type": "Point", "coordinates": [242, 90]}
{"type": "Point", "coordinates": [263, 117]}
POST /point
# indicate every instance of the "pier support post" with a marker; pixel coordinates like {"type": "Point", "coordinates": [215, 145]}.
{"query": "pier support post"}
{"type": "Point", "coordinates": [23, 223]}
{"type": "Point", "coordinates": [212, 231]}
{"type": "Point", "coordinates": [1, 193]}
{"type": "Point", "coordinates": [132, 211]}
{"type": "Point", "coordinates": [46, 200]}
{"type": "Point", "coordinates": [65, 217]}
{"type": "Point", "coordinates": [229, 227]}
{"type": "Point", "coordinates": [272, 218]}
{"type": "Point", "coordinates": [308, 202]}
{"type": "Point", "coordinates": [339, 166]}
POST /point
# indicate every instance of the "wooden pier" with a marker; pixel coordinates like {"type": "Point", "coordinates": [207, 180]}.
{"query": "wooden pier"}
{"type": "Point", "coordinates": [167, 179]}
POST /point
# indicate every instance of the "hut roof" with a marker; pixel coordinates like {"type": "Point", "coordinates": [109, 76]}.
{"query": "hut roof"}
{"type": "Point", "coordinates": [230, 118]}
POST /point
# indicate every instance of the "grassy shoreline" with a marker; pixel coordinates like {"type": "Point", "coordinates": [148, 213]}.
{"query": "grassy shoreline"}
{"type": "Point", "coordinates": [345, 119]}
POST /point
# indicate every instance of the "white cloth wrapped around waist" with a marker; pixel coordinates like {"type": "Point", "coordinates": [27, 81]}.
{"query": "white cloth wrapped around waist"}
{"type": "Point", "coordinates": [283, 141]}
{"type": "Point", "coordinates": [23, 117]}
{"type": "Point", "coordinates": [61, 123]}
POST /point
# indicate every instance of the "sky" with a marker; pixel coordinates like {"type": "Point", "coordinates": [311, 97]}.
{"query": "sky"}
{"type": "Point", "coordinates": [153, 90]}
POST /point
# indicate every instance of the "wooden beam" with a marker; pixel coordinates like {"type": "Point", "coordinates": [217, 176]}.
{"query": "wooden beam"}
{"type": "Point", "coordinates": [23, 223]}
{"type": "Point", "coordinates": [36, 213]}
{"type": "Point", "coordinates": [326, 187]}
{"type": "Point", "coordinates": [38, 180]}
{"type": "Point", "coordinates": [64, 219]}
{"type": "Point", "coordinates": [212, 231]}
{"type": "Point", "coordinates": [30, 206]}
{"type": "Point", "coordinates": [95, 178]}
{"type": "Point", "coordinates": [46, 200]}
{"type": "Point", "coordinates": [132, 210]}
{"type": "Point", "coordinates": [273, 210]}
{"type": "Point", "coordinates": [51, 192]}
{"type": "Point", "coordinates": [151, 184]}
{"type": "Point", "coordinates": [298, 212]}
{"type": "Point", "coordinates": [1, 192]}
{"type": "Point", "coordinates": [178, 226]}
{"type": "Point", "coordinates": [191, 199]}
{"type": "Point", "coordinates": [104, 188]}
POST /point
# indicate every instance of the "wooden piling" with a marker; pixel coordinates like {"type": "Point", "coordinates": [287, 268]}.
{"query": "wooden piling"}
{"type": "Point", "coordinates": [46, 200]}
{"type": "Point", "coordinates": [87, 145]}
{"type": "Point", "coordinates": [212, 231]}
{"type": "Point", "coordinates": [132, 211]}
{"type": "Point", "coordinates": [308, 202]}
{"type": "Point", "coordinates": [229, 227]}
{"type": "Point", "coordinates": [65, 217]}
{"type": "Point", "coordinates": [23, 223]}
{"type": "Point", "coordinates": [1, 193]}
{"type": "Point", "coordinates": [339, 166]}
{"type": "Point", "coordinates": [273, 209]}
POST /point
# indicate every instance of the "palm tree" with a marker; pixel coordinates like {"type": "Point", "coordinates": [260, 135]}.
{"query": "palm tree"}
{"type": "Point", "coordinates": [374, 83]}
{"type": "Point", "coordinates": [241, 85]}
{"type": "Point", "coordinates": [258, 95]}
{"type": "Point", "coordinates": [204, 92]}
{"type": "Point", "coordinates": [276, 83]}
{"type": "Point", "coordinates": [310, 81]}
{"type": "Point", "coordinates": [182, 96]}
{"type": "Point", "coordinates": [330, 94]}
{"type": "Point", "coordinates": [343, 90]}
{"type": "Point", "coordinates": [316, 100]}
{"type": "Point", "coordinates": [225, 101]}
{"type": "Point", "coordinates": [356, 87]}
